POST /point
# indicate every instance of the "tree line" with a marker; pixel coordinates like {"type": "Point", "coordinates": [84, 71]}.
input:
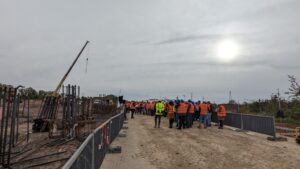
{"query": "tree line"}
{"type": "Point", "coordinates": [29, 92]}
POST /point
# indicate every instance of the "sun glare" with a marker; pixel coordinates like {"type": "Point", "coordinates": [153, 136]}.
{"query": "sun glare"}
{"type": "Point", "coordinates": [227, 50]}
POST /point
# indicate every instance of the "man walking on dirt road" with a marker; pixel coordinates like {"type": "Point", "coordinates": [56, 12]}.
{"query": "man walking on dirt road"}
{"type": "Point", "coordinates": [170, 113]}
{"type": "Point", "coordinates": [221, 115]}
{"type": "Point", "coordinates": [160, 107]}
{"type": "Point", "coordinates": [203, 107]}
{"type": "Point", "coordinates": [209, 114]}
{"type": "Point", "coordinates": [132, 109]}
{"type": "Point", "coordinates": [182, 111]}
{"type": "Point", "coordinates": [190, 113]}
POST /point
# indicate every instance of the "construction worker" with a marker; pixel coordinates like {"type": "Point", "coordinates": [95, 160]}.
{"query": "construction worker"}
{"type": "Point", "coordinates": [127, 109]}
{"type": "Point", "coordinates": [182, 111]}
{"type": "Point", "coordinates": [203, 107]}
{"type": "Point", "coordinates": [221, 115]}
{"type": "Point", "coordinates": [209, 114]}
{"type": "Point", "coordinates": [159, 107]}
{"type": "Point", "coordinates": [170, 109]}
{"type": "Point", "coordinates": [176, 105]}
{"type": "Point", "coordinates": [132, 109]}
{"type": "Point", "coordinates": [152, 107]}
{"type": "Point", "coordinates": [190, 113]}
{"type": "Point", "coordinates": [197, 112]}
{"type": "Point", "coordinates": [143, 108]}
{"type": "Point", "coordinates": [147, 107]}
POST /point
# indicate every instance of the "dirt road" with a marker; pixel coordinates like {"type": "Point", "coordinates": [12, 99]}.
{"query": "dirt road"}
{"type": "Point", "coordinates": [148, 148]}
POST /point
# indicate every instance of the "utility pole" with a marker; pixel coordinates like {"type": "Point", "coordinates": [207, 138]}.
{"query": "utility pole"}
{"type": "Point", "coordinates": [230, 98]}
{"type": "Point", "coordinates": [192, 96]}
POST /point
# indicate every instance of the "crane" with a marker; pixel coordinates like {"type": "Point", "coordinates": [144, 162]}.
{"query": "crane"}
{"type": "Point", "coordinates": [50, 102]}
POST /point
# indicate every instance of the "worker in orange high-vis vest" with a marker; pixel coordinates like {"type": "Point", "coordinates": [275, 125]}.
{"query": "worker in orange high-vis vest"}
{"type": "Point", "coordinates": [132, 108]}
{"type": "Point", "coordinates": [182, 111]}
{"type": "Point", "coordinates": [190, 113]}
{"type": "Point", "coordinates": [203, 108]}
{"type": "Point", "coordinates": [147, 108]}
{"type": "Point", "coordinates": [221, 115]}
{"type": "Point", "coordinates": [170, 109]}
{"type": "Point", "coordinates": [209, 115]}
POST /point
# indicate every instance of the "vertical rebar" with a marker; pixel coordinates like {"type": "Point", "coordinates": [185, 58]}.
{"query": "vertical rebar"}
{"type": "Point", "coordinates": [12, 125]}
{"type": "Point", "coordinates": [28, 101]}
{"type": "Point", "coordinates": [2, 100]}
{"type": "Point", "coordinates": [6, 126]}
{"type": "Point", "coordinates": [18, 111]}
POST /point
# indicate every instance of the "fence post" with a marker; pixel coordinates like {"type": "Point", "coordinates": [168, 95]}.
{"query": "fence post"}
{"type": "Point", "coordinates": [274, 127]}
{"type": "Point", "coordinates": [111, 129]}
{"type": "Point", "coordinates": [93, 151]}
{"type": "Point", "coordinates": [242, 121]}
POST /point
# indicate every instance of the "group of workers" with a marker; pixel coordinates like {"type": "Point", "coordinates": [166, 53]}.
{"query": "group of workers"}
{"type": "Point", "coordinates": [183, 113]}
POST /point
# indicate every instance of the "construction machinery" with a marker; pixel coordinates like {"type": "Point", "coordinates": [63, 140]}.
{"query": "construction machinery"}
{"type": "Point", "coordinates": [297, 134]}
{"type": "Point", "coordinates": [48, 110]}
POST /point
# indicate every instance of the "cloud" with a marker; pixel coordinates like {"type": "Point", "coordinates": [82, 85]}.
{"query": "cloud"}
{"type": "Point", "coordinates": [188, 38]}
{"type": "Point", "coordinates": [151, 49]}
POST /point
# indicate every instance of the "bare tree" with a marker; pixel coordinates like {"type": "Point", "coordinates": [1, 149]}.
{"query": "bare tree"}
{"type": "Point", "coordinates": [294, 90]}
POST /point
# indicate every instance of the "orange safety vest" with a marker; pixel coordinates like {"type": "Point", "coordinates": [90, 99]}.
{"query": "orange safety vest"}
{"type": "Point", "coordinates": [204, 109]}
{"type": "Point", "coordinates": [192, 108]}
{"type": "Point", "coordinates": [170, 111]}
{"type": "Point", "coordinates": [182, 108]}
{"type": "Point", "coordinates": [148, 106]}
{"type": "Point", "coordinates": [132, 106]}
{"type": "Point", "coordinates": [152, 104]}
{"type": "Point", "coordinates": [222, 111]}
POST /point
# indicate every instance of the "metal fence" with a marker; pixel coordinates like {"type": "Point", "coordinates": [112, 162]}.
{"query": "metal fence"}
{"type": "Point", "coordinates": [259, 124]}
{"type": "Point", "coordinates": [91, 153]}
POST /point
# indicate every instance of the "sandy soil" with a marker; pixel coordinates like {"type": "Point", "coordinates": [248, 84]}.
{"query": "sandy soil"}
{"type": "Point", "coordinates": [149, 148]}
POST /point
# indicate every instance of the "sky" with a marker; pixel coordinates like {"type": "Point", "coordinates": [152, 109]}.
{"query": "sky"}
{"type": "Point", "coordinates": [146, 49]}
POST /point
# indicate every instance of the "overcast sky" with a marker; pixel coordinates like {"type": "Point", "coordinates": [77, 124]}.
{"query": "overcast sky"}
{"type": "Point", "coordinates": [152, 48]}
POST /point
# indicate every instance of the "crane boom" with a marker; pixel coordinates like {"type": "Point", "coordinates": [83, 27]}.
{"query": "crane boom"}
{"type": "Point", "coordinates": [69, 70]}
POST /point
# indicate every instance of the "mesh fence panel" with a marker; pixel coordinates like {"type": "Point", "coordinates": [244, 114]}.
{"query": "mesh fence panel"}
{"type": "Point", "coordinates": [259, 124]}
{"type": "Point", "coordinates": [91, 153]}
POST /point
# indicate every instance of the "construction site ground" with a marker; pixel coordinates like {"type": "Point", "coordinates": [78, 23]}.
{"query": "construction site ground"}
{"type": "Point", "coordinates": [42, 152]}
{"type": "Point", "coordinates": [163, 148]}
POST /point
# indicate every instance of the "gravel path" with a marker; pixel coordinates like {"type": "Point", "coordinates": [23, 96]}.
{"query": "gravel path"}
{"type": "Point", "coordinates": [148, 148]}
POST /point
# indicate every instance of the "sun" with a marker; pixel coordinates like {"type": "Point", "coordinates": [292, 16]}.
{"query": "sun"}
{"type": "Point", "coordinates": [227, 50]}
